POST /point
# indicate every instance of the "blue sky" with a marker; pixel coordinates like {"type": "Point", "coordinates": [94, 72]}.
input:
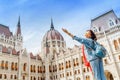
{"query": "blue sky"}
{"type": "Point", "coordinates": [75, 15]}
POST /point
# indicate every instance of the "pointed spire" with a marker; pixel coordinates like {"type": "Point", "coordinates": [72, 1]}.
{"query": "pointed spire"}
{"type": "Point", "coordinates": [18, 22]}
{"type": "Point", "coordinates": [18, 27]}
{"type": "Point", "coordinates": [52, 26]}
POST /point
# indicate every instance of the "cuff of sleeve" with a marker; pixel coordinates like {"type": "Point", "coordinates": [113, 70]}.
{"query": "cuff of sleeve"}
{"type": "Point", "coordinates": [74, 37]}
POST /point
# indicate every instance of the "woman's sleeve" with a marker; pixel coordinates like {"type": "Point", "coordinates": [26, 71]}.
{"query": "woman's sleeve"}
{"type": "Point", "coordinates": [81, 40]}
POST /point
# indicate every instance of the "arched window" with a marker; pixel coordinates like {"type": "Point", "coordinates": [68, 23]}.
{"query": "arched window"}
{"type": "Point", "coordinates": [11, 77]}
{"type": "Point", "coordinates": [50, 70]}
{"type": "Point", "coordinates": [38, 69]}
{"type": "Point", "coordinates": [34, 78]}
{"type": "Point", "coordinates": [31, 68]}
{"type": "Point", "coordinates": [78, 71]}
{"type": "Point", "coordinates": [24, 66]}
{"type": "Point", "coordinates": [116, 45]}
{"type": "Point", "coordinates": [12, 66]}
{"type": "Point", "coordinates": [5, 76]}
{"type": "Point", "coordinates": [69, 64]}
{"type": "Point", "coordinates": [0, 76]}
{"type": "Point", "coordinates": [34, 68]}
{"type": "Point", "coordinates": [6, 65]}
{"type": "Point", "coordinates": [2, 64]}
{"type": "Point", "coordinates": [87, 77]}
{"type": "Point", "coordinates": [62, 66]}
{"type": "Point", "coordinates": [105, 61]}
{"type": "Point", "coordinates": [16, 66]}
{"type": "Point", "coordinates": [23, 77]}
{"type": "Point", "coordinates": [59, 66]}
{"type": "Point", "coordinates": [111, 22]}
{"type": "Point", "coordinates": [15, 77]}
{"type": "Point", "coordinates": [75, 72]}
{"type": "Point", "coordinates": [78, 78]}
{"type": "Point", "coordinates": [77, 62]}
{"type": "Point", "coordinates": [94, 29]}
{"type": "Point", "coordinates": [74, 62]}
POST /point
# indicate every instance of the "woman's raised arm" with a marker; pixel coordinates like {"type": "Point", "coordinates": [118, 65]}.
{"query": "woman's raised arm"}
{"type": "Point", "coordinates": [67, 32]}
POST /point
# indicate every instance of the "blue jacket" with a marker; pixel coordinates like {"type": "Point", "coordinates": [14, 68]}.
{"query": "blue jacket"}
{"type": "Point", "coordinates": [88, 43]}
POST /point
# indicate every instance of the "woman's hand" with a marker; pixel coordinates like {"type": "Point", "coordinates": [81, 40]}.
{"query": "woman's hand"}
{"type": "Point", "coordinates": [67, 32]}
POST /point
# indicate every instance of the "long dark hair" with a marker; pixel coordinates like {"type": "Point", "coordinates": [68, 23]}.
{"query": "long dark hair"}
{"type": "Point", "coordinates": [93, 36]}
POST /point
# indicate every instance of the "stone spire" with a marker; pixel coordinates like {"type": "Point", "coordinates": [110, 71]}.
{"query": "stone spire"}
{"type": "Point", "coordinates": [52, 26]}
{"type": "Point", "coordinates": [18, 31]}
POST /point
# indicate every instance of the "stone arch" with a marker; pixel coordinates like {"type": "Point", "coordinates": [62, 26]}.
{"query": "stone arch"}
{"type": "Point", "coordinates": [109, 75]}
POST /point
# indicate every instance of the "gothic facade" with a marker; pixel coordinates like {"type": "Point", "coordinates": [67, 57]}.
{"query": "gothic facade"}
{"type": "Point", "coordinates": [56, 61]}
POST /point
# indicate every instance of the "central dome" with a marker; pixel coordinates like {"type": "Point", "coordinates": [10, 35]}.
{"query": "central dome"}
{"type": "Point", "coordinates": [53, 34]}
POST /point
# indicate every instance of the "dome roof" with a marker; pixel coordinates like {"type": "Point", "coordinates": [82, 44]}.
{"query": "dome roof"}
{"type": "Point", "coordinates": [52, 34]}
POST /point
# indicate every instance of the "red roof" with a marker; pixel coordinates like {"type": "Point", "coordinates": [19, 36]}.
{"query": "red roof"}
{"type": "Point", "coordinates": [5, 30]}
{"type": "Point", "coordinates": [14, 52]}
{"type": "Point", "coordinates": [39, 58]}
{"type": "Point", "coordinates": [4, 50]}
{"type": "Point", "coordinates": [32, 56]}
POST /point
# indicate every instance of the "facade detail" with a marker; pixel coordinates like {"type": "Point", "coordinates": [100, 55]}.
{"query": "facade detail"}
{"type": "Point", "coordinates": [56, 61]}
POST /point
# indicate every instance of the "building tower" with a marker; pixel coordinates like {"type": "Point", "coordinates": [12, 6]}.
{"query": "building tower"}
{"type": "Point", "coordinates": [18, 37]}
{"type": "Point", "coordinates": [53, 43]}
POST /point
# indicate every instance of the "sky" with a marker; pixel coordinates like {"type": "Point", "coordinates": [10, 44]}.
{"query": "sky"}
{"type": "Point", "coordinates": [35, 15]}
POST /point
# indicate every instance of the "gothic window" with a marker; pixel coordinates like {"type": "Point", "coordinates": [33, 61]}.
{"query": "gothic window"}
{"type": "Point", "coordinates": [50, 70]}
{"type": "Point", "coordinates": [16, 66]}
{"type": "Point", "coordinates": [116, 45]}
{"type": "Point", "coordinates": [84, 70]}
{"type": "Point", "coordinates": [70, 73]}
{"type": "Point", "coordinates": [9, 50]}
{"type": "Point", "coordinates": [94, 29]}
{"type": "Point", "coordinates": [82, 59]}
{"type": "Point", "coordinates": [15, 77]}
{"type": "Point", "coordinates": [59, 66]}
{"type": "Point", "coordinates": [38, 69]}
{"type": "Point", "coordinates": [75, 72]}
{"type": "Point", "coordinates": [31, 68]}
{"type": "Point", "coordinates": [0, 76]}
{"type": "Point", "coordinates": [11, 76]}
{"type": "Point", "coordinates": [116, 21]}
{"type": "Point", "coordinates": [5, 76]}
{"type": "Point", "coordinates": [77, 61]}
{"type": "Point", "coordinates": [12, 66]}
{"type": "Point", "coordinates": [2, 64]}
{"type": "Point", "coordinates": [69, 64]}
{"type": "Point", "coordinates": [105, 60]}
{"type": "Point", "coordinates": [62, 66]}
{"type": "Point", "coordinates": [74, 62]}
{"type": "Point", "coordinates": [6, 65]}
{"type": "Point", "coordinates": [44, 69]}
{"type": "Point", "coordinates": [111, 23]}
{"type": "Point", "coordinates": [87, 77]}
{"type": "Point", "coordinates": [34, 68]}
{"type": "Point", "coordinates": [23, 77]}
{"type": "Point", "coordinates": [24, 66]}
{"type": "Point", "coordinates": [78, 78]}
{"type": "Point", "coordinates": [78, 71]}
{"type": "Point", "coordinates": [55, 67]}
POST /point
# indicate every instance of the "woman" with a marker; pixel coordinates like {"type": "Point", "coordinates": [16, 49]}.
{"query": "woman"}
{"type": "Point", "coordinates": [95, 62]}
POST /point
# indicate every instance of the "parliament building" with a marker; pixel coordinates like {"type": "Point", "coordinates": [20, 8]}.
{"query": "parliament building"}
{"type": "Point", "coordinates": [56, 61]}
